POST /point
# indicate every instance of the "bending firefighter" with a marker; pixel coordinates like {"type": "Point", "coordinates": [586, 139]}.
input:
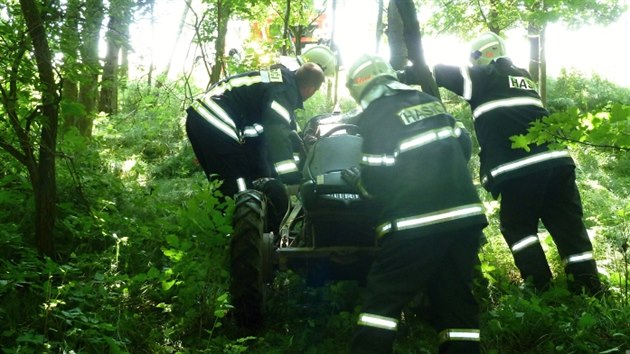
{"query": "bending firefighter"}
{"type": "Point", "coordinates": [414, 167]}
{"type": "Point", "coordinates": [242, 129]}
{"type": "Point", "coordinates": [533, 185]}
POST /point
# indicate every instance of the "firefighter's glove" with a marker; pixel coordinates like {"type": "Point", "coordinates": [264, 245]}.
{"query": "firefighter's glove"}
{"type": "Point", "coordinates": [352, 176]}
{"type": "Point", "coordinates": [408, 76]}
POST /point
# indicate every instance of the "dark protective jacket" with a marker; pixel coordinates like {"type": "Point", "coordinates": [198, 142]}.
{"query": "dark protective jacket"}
{"type": "Point", "coordinates": [257, 109]}
{"type": "Point", "coordinates": [504, 102]}
{"type": "Point", "coordinates": [414, 166]}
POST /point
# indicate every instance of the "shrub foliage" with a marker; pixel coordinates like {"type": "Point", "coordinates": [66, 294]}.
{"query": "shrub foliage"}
{"type": "Point", "coordinates": [143, 238]}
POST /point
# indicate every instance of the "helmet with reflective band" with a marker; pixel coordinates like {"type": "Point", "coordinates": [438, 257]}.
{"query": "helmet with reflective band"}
{"type": "Point", "coordinates": [486, 48]}
{"type": "Point", "coordinates": [322, 56]}
{"type": "Point", "coordinates": [364, 72]}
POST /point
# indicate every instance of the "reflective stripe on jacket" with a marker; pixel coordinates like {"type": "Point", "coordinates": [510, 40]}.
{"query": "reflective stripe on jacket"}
{"type": "Point", "coordinates": [414, 165]}
{"type": "Point", "coordinates": [504, 103]}
{"type": "Point", "coordinates": [257, 105]}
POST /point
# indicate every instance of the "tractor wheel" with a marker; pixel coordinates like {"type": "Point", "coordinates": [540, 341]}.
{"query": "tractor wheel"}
{"type": "Point", "coordinates": [268, 261]}
{"type": "Point", "coordinates": [247, 261]}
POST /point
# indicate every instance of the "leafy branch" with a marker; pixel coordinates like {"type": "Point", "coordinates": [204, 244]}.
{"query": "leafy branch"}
{"type": "Point", "coordinates": [609, 129]}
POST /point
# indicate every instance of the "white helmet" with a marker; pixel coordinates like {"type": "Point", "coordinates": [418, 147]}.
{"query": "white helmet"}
{"type": "Point", "coordinates": [364, 72]}
{"type": "Point", "coordinates": [486, 48]}
{"type": "Point", "coordinates": [322, 56]}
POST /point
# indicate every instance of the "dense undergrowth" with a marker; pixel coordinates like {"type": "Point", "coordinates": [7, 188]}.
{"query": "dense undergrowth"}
{"type": "Point", "coordinates": [142, 241]}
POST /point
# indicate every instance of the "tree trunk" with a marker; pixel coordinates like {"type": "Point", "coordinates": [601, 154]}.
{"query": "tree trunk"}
{"type": "Point", "coordinates": [379, 25]}
{"type": "Point", "coordinates": [123, 71]}
{"type": "Point", "coordinates": [70, 90]}
{"type": "Point", "coordinates": [533, 33]}
{"type": "Point", "coordinates": [109, 83]}
{"type": "Point", "coordinates": [151, 55]}
{"type": "Point", "coordinates": [543, 66]}
{"type": "Point", "coordinates": [223, 16]}
{"type": "Point", "coordinates": [298, 34]}
{"type": "Point", "coordinates": [91, 68]}
{"type": "Point", "coordinates": [285, 32]}
{"type": "Point", "coordinates": [70, 42]}
{"type": "Point", "coordinates": [396, 38]}
{"type": "Point", "coordinates": [81, 66]}
{"type": "Point", "coordinates": [119, 17]}
{"type": "Point", "coordinates": [45, 187]}
{"type": "Point", "coordinates": [413, 42]}
{"type": "Point", "coordinates": [333, 46]}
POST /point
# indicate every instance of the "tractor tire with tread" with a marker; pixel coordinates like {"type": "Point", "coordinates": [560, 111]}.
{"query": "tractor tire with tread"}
{"type": "Point", "coordinates": [247, 263]}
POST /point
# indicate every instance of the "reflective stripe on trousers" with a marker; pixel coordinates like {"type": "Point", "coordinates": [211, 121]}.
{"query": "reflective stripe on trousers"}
{"type": "Point", "coordinates": [524, 243]}
{"type": "Point", "coordinates": [458, 334]}
{"type": "Point", "coordinates": [376, 321]}
{"type": "Point", "coordinates": [580, 257]}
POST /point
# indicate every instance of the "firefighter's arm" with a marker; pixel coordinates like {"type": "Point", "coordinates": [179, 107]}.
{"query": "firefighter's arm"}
{"type": "Point", "coordinates": [464, 140]}
{"type": "Point", "coordinates": [451, 78]}
{"type": "Point", "coordinates": [277, 120]}
{"type": "Point", "coordinates": [408, 76]}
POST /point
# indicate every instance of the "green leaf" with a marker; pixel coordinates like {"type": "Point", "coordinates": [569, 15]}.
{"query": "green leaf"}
{"type": "Point", "coordinates": [172, 240]}
{"type": "Point", "coordinates": [31, 338]}
{"type": "Point", "coordinates": [174, 255]}
{"type": "Point", "coordinates": [71, 108]}
{"type": "Point", "coordinates": [520, 142]}
{"type": "Point", "coordinates": [167, 284]}
{"type": "Point", "coordinates": [153, 273]}
{"type": "Point", "coordinates": [139, 278]}
{"type": "Point", "coordinates": [222, 298]}
{"type": "Point", "coordinates": [586, 321]}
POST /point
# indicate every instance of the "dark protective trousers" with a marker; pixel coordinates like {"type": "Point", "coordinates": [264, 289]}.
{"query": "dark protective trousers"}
{"type": "Point", "coordinates": [550, 196]}
{"type": "Point", "coordinates": [442, 265]}
{"type": "Point", "coordinates": [222, 157]}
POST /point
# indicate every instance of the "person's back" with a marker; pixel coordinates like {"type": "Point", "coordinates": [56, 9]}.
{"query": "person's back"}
{"type": "Point", "coordinates": [411, 131]}
{"type": "Point", "coordinates": [414, 166]}
{"type": "Point", "coordinates": [534, 184]}
{"type": "Point", "coordinates": [497, 82]}
{"type": "Point", "coordinates": [245, 96]}
{"type": "Point", "coordinates": [504, 102]}
{"type": "Point", "coordinates": [242, 128]}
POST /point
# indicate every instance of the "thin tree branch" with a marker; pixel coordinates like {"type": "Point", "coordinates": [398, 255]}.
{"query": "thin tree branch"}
{"type": "Point", "coordinates": [17, 154]}
{"type": "Point", "coordinates": [76, 178]}
{"type": "Point", "coordinates": [483, 15]}
{"type": "Point", "coordinates": [561, 136]}
{"type": "Point", "coordinates": [21, 133]}
{"type": "Point", "coordinates": [197, 27]}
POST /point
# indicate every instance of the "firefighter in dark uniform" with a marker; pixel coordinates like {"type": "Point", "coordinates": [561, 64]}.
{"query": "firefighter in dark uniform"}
{"type": "Point", "coordinates": [533, 185]}
{"type": "Point", "coordinates": [242, 128]}
{"type": "Point", "coordinates": [414, 167]}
